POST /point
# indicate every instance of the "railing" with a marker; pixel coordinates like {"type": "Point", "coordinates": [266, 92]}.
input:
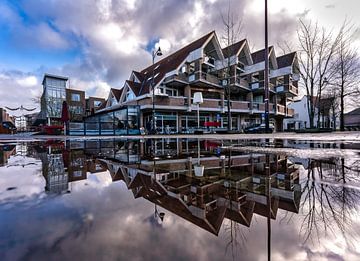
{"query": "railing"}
{"type": "Point", "coordinates": [176, 77]}
{"type": "Point", "coordinates": [164, 101]}
{"type": "Point", "coordinates": [240, 105]}
{"type": "Point", "coordinates": [290, 112]}
{"type": "Point", "coordinates": [204, 76]}
{"type": "Point", "coordinates": [261, 85]}
{"type": "Point", "coordinates": [280, 109]}
{"type": "Point", "coordinates": [287, 88]}
{"type": "Point", "coordinates": [242, 82]}
{"type": "Point", "coordinates": [293, 89]}
{"type": "Point", "coordinates": [211, 103]}
{"type": "Point", "coordinates": [258, 106]}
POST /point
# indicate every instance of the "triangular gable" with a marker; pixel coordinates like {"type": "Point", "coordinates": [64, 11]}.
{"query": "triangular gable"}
{"type": "Point", "coordinates": [272, 58]}
{"type": "Point", "coordinates": [215, 41]}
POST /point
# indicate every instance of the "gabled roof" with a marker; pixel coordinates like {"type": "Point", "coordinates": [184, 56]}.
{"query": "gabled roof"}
{"type": "Point", "coordinates": [354, 112]}
{"type": "Point", "coordinates": [136, 88]}
{"type": "Point", "coordinates": [117, 93]}
{"type": "Point", "coordinates": [169, 63]}
{"type": "Point", "coordinates": [286, 60]}
{"type": "Point", "coordinates": [259, 56]}
{"type": "Point", "coordinates": [139, 75]}
{"type": "Point", "coordinates": [233, 49]}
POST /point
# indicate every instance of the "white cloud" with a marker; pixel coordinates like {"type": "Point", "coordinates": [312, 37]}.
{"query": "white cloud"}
{"type": "Point", "coordinates": [112, 35]}
{"type": "Point", "coordinates": [27, 81]}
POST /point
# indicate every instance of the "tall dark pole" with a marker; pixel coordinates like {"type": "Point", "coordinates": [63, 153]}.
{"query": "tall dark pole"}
{"type": "Point", "coordinates": [268, 196]}
{"type": "Point", "coordinates": [153, 94]}
{"type": "Point", "coordinates": [266, 74]}
{"type": "Point", "coordinates": [154, 53]}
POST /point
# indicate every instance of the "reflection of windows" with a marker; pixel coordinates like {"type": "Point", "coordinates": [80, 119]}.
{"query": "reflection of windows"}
{"type": "Point", "coordinates": [75, 97]}
{"type": "Point", "coordinates": [77, 173]}
{"type": "Point", "coordinates": [76, 109]}
{"type": "Point", "coordinates": [97, 104]}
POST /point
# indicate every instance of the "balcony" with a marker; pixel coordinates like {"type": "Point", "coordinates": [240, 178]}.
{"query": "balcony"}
{"type": "Point", "coordinates": [280, 109]}
{"type": "Point", "coordinates": [176, 80]}
{"type": "Point", "coordinates": [239, 83]}
{"type": "Point", "coordinates": [164, 101]}
{"type": "Point", "coordinates": [260, 85]}
{"type": "Point", "coordinates": [258, 106]}
{"type": "Point", "coordinates": [290, 112]}
{"type": "Point", "coordinates": [240, 105]}
{"type": "Point", "coordinates": [204, 79]}
{"type": "Point", "coordinates": [287, 89]}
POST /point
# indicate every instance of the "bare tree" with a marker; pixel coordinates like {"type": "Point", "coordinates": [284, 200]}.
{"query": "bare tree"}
{"type": "Point", "coordinates": [347, 70]}
{"type": "Point", "coordinates": [232, 25]}
{"type": "Point", "coordinates": [317, 50]}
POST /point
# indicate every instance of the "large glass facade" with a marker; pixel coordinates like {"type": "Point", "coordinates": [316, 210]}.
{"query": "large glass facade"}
{"type": "Point", "coordinates": [123, 121]}
{"type": "Point", "coordinates": [54, 96]}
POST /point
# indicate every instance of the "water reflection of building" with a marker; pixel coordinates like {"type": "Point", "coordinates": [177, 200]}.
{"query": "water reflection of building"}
{"type": "Point", "coordinates": [203, 186]}
{"type": "Point", "coordinates": [5, 152]}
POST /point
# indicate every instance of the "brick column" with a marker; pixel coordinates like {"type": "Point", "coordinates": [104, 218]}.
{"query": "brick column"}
{"type": "Point", "coordinates": [187, 92]}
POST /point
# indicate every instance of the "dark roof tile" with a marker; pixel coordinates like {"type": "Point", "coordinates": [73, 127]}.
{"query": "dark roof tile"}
{"type": "Point", "coordinates": [259, 56]}
{"type": "Point", "coordinates": [285, 60]}
{"type": "Point", "coordinates": [169, 63]}
{"type": "Point", "coordinates": [117, 93]}
{"type": "Point", "coordinates": [233, 49]}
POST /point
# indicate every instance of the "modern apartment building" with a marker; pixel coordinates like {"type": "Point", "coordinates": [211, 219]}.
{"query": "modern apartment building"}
{"type": "Point", "coordinates": [202, 66]}
{"type": "Point", "coordinates": [75, 100]}
{"type": "Point", "coordinates": [55, 92]}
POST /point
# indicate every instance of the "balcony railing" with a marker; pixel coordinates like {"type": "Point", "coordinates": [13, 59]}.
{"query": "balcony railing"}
{"type": "Point", "coordinates": [283, 88]}
{"type": "Point", "coordinates": [261, 85]}
{"type": "Point", "coordinates": [176, 78]}
{"type": "Point", "coordinates": [290, 112]}
{"type": "Point", "coordinates": [280, 109]}
{"type": "Point", "coordinates": [240, 105]}
{"type": "Point", "coordinates": [258, 106]}
{"type": "Point", "coordinates": [242, 82]}
{"type": "Point", "coordinates": [204, 77]}
{"type": "Point", "coordinates": [164, 101]}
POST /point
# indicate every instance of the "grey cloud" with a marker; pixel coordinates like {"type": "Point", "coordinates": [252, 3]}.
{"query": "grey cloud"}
{"type": "Point", "coordinates": [102, 58]}
{"type": "Point", "coordinates": [329, 6]}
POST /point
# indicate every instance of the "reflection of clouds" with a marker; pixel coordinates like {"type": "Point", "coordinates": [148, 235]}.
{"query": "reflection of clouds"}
{"type": "Point", "coordinates": [28, 181]}
{"type": "Point", "coordinates": [94, 180]}
{"type": "Point", "coordinates": [102, 220]}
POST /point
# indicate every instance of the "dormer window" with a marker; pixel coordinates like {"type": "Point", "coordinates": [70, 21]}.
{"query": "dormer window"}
{"type": "Point", "coordinates": [129, 95]}
{"type": "Point", "coordinates": [113, 100]}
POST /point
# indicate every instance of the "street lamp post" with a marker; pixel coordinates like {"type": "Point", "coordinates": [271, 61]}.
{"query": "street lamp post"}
{"type": "Point", "coordinates": [154, 54]}
{"type": "Point", "coordinates": [266, 74]}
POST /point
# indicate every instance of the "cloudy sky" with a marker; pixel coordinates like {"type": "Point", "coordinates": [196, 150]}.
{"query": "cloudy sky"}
{"type": "Point", "coordinates": [98, 42]}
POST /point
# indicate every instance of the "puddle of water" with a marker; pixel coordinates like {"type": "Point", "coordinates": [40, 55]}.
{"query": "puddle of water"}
{"type": "Point", "coordinates": [180, 199]}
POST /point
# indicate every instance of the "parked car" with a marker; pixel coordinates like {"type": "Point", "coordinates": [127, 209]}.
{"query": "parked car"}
{"type": "Point", "coordinates": [259, 128]}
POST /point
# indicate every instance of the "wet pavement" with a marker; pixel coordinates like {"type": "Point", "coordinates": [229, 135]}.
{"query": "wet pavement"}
{"type": "Point", "coordinates": [179, 199]}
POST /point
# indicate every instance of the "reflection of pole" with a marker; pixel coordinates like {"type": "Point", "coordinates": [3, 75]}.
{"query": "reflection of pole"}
{"type": "Point", "coordinates": [268, 190]}
{"type": "Point", "coordinates": [198, 115]}
{"type": "Point", "coordinates": [266, 73]}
